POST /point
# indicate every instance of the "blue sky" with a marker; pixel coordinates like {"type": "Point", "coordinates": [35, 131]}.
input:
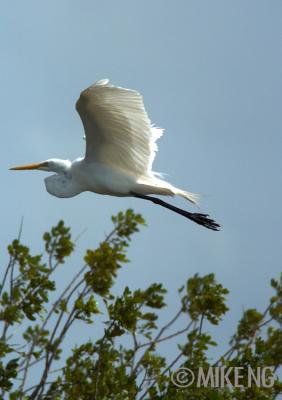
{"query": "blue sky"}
{"type": "Point", "coordinates": [210, 74]}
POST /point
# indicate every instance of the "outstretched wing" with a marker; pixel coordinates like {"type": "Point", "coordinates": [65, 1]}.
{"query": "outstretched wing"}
{"type": "Point", "coordinates": [117, 128]}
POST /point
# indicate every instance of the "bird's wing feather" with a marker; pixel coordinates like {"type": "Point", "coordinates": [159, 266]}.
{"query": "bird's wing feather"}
{"type": "Point", "coordinates": [117, 128]}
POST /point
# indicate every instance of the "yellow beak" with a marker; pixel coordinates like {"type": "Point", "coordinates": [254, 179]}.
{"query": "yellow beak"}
{"type": "Point", "coordinates": [30, 166]}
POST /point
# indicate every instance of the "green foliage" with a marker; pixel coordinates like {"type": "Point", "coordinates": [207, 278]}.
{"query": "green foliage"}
{"type": "Point", "coordinates": [125, 361]}
{"type": "Point", "coordinates": [205, 297]}
{"type": "Point", "coordinates": [105, 261]}
{"type": "Point", "coordinates": [58, 242]}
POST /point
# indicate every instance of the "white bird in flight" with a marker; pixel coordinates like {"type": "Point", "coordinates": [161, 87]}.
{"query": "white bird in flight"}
{"type": "Point", "coordinates": [120, 150]}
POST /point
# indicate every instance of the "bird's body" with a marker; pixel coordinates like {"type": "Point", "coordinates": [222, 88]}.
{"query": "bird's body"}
{"type": "Point", "coordinates": [120, 150]}
{"type": "Point", "coordinates": [81, 175]}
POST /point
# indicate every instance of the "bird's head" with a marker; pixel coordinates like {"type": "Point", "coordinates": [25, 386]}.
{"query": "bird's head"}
{"type": "Point", "coordinates": [60, 184]}
{"type": "Point", "coordinates": [51, 165]}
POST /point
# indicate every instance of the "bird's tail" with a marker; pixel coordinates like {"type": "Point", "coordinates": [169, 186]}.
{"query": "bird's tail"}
{"type": "Point", "coordinates": [155, 185]}
{"type": "Point", "coordinates": [192, 197]}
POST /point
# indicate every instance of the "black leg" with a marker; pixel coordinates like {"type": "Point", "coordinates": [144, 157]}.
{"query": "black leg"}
{"type": "Point", "coordinates": [201, 219]}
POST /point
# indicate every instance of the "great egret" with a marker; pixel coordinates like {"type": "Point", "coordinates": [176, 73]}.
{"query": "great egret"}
{"type": "Point", "coordinates": [120, 150]}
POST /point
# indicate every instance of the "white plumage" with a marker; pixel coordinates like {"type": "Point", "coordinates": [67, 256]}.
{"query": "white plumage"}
{"type": "Point", "coordinates": [120, 150]}
{"type": "Point", "coordinates": [117, 128]}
